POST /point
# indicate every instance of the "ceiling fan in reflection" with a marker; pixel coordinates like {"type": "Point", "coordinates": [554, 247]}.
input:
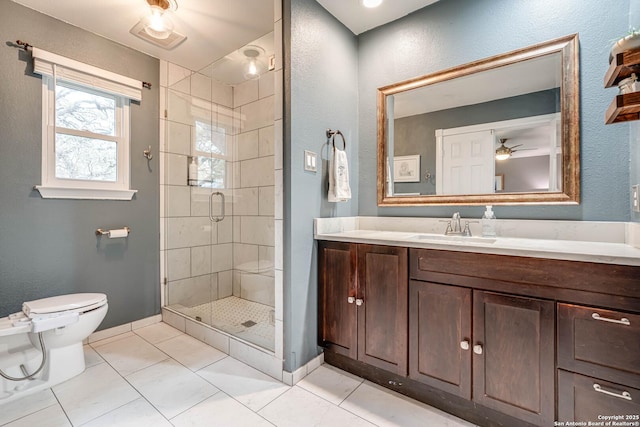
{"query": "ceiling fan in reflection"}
{"type": "Point", "coordinates": [503, 152]}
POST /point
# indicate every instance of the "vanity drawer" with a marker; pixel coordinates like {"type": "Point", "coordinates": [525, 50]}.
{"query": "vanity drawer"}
{"type": "Point", "coordinates": [599, 343]}
{"type": "Point", "coordinates": [582, 398]}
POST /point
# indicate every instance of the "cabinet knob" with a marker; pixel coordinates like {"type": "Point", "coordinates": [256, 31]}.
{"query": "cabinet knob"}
{"type": "Point", "coordinates": [351, 300]}
{"type": "Point", "coordinates": [464, 345]}
{"type": "Point", "coordinates": [477, 349]}
{"type": "Point", "coordinates": [359, 302]}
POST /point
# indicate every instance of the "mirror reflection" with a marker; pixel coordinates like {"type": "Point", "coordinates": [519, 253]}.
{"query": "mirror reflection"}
{"type": "Point", "coordinates": [502, 129]}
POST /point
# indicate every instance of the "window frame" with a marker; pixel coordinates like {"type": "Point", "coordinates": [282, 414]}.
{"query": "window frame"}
{"type": "Point", "coordinates": [56, 69]}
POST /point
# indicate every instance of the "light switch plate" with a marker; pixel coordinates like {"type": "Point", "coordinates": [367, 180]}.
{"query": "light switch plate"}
{"type": "Point", "coordinates": [310, 161]}
{"type": "Point", "coordinates": [635, 198]}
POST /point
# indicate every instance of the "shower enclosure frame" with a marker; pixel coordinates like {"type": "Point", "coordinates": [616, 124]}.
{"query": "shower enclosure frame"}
{"type": "Point", "coordinates": [268, 360]}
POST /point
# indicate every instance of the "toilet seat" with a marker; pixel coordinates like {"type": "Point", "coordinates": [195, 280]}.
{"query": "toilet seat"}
{"type": "Point", "coordinates": [54, 306]}
{"type": "Point", "coordinates": [50, 313]}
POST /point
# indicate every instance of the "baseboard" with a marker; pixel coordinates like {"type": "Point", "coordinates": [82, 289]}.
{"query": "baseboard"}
{"type": "Point", "coordinates": [292, 378]}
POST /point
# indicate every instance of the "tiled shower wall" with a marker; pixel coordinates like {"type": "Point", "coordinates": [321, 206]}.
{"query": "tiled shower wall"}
{"type": "Point", "coordinates": [253, 248]}
{"type": "Point", "coordinates": [197, 253]}
{"type": "Point", "coordinates": [205, 260]}
{"type": "Point", "coordinates": [260, 104]}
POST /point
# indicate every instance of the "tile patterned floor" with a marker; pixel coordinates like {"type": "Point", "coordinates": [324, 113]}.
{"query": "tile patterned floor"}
{"type": "Point", "coordinates": [229, 314]}
{"type": "Point", "coordinates": [157, 376]}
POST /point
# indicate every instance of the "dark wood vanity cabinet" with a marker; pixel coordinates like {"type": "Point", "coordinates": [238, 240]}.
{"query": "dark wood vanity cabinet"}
{"type": "Point", "coordinates": [500, 344]}
{"type": "Point", "coordinates": [363, 303]}
{"type": "Point", "coordinates": [598, 363]}
{"type": "Point", "coordinates": [498, 340]}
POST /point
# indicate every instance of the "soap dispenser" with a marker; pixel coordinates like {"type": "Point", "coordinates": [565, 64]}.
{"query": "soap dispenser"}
{"type": "Point", "coordinates": [488, 223]}
{"type": "Point", "coordinates": [193, 172]}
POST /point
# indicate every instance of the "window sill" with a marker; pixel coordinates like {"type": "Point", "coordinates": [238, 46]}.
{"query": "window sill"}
{"type": "Point", "coordinates": [84, 193]}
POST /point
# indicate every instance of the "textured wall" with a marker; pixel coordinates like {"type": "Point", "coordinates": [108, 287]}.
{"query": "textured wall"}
{"type": "Point", "coordinates": [321, 92]}
{"type": "Point", "coordinates": [454, 32]}
{"type": "Point", "coordinates": [48, 247]}
{"type": "Point", "coordinates": [634, 134]}
{"type": "Point", "coordinates": [525, 173]}
{"type": "Point", "coordinates": [417, 134]}
{"type": "Point", "coordinates": [634, 141]}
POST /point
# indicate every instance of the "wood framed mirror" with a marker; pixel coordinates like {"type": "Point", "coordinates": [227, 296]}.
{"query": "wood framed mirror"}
{"type": "Point", "coordinates": [501, 130]}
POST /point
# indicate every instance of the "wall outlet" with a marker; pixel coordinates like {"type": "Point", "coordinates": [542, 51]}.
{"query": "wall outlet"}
{"type": "Point", "coordinates": [635, 198]}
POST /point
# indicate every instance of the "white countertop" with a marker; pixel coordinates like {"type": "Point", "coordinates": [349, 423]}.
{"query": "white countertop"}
{"type": "Point", "coordinates": [588, 241]}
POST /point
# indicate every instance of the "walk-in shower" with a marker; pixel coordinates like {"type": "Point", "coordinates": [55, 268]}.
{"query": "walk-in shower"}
{"type": "Point", "coordinates": [218, 188]}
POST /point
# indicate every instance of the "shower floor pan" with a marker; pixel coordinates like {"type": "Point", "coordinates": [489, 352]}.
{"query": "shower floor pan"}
{"type": "Point", "coordinates": [247, 320]}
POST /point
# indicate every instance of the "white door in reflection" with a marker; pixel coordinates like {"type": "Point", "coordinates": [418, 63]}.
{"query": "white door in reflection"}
{"type": "Point", "coordinates": [466, 164]}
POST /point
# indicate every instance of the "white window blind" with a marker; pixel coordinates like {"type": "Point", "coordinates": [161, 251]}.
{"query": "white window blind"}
{"type": "Point", "coordinates": [88, 75]}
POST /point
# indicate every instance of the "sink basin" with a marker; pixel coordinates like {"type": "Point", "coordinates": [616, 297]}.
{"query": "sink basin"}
{"type": "Point", "coordinates": [456, 239]}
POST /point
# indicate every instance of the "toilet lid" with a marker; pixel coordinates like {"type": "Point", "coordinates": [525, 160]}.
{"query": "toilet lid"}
{"type": "Point", "coordinates": [64, 303]}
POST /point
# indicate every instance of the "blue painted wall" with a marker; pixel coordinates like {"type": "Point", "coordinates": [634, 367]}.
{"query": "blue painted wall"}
{"type": "Point", "coordinates": [319, 88]}
{"type": "Point", "coordinates": [454, 32]}
{"type": "Point", "coordinates": [48, 247]}
{"type": "Point", "coordinates": [634, 174]}
{"type": "Point", "coordinates": [634, 134]}
{"type": "Point", "coordinates": [321, 92]}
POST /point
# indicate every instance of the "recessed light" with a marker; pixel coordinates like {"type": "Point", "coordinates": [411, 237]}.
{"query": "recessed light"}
{"type": "Point", "coordinates": [371, 3]}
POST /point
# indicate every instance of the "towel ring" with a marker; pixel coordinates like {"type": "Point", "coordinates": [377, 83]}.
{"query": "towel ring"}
{"type": "Point", "coordinates": [333, 140]}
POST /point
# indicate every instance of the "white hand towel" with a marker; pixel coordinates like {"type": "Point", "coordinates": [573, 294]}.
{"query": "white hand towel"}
{"type": "Point", "coordinates": [339, 190]}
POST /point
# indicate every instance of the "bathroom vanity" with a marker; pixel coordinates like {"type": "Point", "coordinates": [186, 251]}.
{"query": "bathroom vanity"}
{"type": "Point", "coordinates": [480, 328]}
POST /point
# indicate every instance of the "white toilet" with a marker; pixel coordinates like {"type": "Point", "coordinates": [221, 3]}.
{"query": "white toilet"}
{"type": "Point", "coordinates": [59, 323]}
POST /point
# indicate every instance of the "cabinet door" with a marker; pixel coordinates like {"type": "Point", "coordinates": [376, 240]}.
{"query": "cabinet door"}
{"type": "Point", "coordinates": [382, 315]}
{"type": "Point", "coordinates": [582, 398]}
{"type": "Point", "coordinates": [440, 336]}
{"type": "Point", "coordinates": [513, 361]}
{"type": "Point", "coordinates": [336, 283]}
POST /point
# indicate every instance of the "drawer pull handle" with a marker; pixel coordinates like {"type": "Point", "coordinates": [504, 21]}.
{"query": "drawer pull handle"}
{"type": "Point", "coordinates": [351, 300]}
{"type": "Point", "coordinates": [623, 321]}
{"type": "Point", "coordinates": [477, 349]}
{"type": "Point", "coordinates": [464, 345]}
{"type": "Point", "coordinates": [625, 394]}
{"type": "Point", "coordinates": [359, 302]}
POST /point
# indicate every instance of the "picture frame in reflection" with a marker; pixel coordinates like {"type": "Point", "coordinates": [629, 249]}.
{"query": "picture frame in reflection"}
{"type": "Point", "coordinates": [406, 168]}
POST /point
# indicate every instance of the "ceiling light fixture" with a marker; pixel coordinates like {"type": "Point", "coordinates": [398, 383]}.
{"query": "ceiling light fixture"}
{"type": "Point", "coordinates": [157, 24]}
{"type": "Point", "coordinates": [371, 3]}
{"type": "Point", "coordinates": [254, 67]}
{"type": "Point", "coordinates": [503, 153]}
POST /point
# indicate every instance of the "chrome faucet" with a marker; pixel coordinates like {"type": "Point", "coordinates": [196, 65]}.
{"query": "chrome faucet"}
{"type": "Point", "coordinates": [455, 223]}
{"type": "Point", "coordinates": [455, 229]}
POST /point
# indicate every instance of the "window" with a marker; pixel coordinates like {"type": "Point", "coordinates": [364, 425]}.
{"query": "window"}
{"type": "Point", "coordinates": [85, 130]}
{"type": "Point", "coordinates": [211, 155]}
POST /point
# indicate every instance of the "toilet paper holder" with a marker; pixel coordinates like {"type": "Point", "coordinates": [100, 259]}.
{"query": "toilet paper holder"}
{"type": "Point", "coordinates": [119, 232]}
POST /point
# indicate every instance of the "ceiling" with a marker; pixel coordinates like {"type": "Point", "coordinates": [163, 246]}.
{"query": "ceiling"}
{"type": "Point", "coordinates": [520, 78]}
{"type": "Point", "coordinates": [215, 29]}
{"type": "Point", "coordinates": [359, 19]}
